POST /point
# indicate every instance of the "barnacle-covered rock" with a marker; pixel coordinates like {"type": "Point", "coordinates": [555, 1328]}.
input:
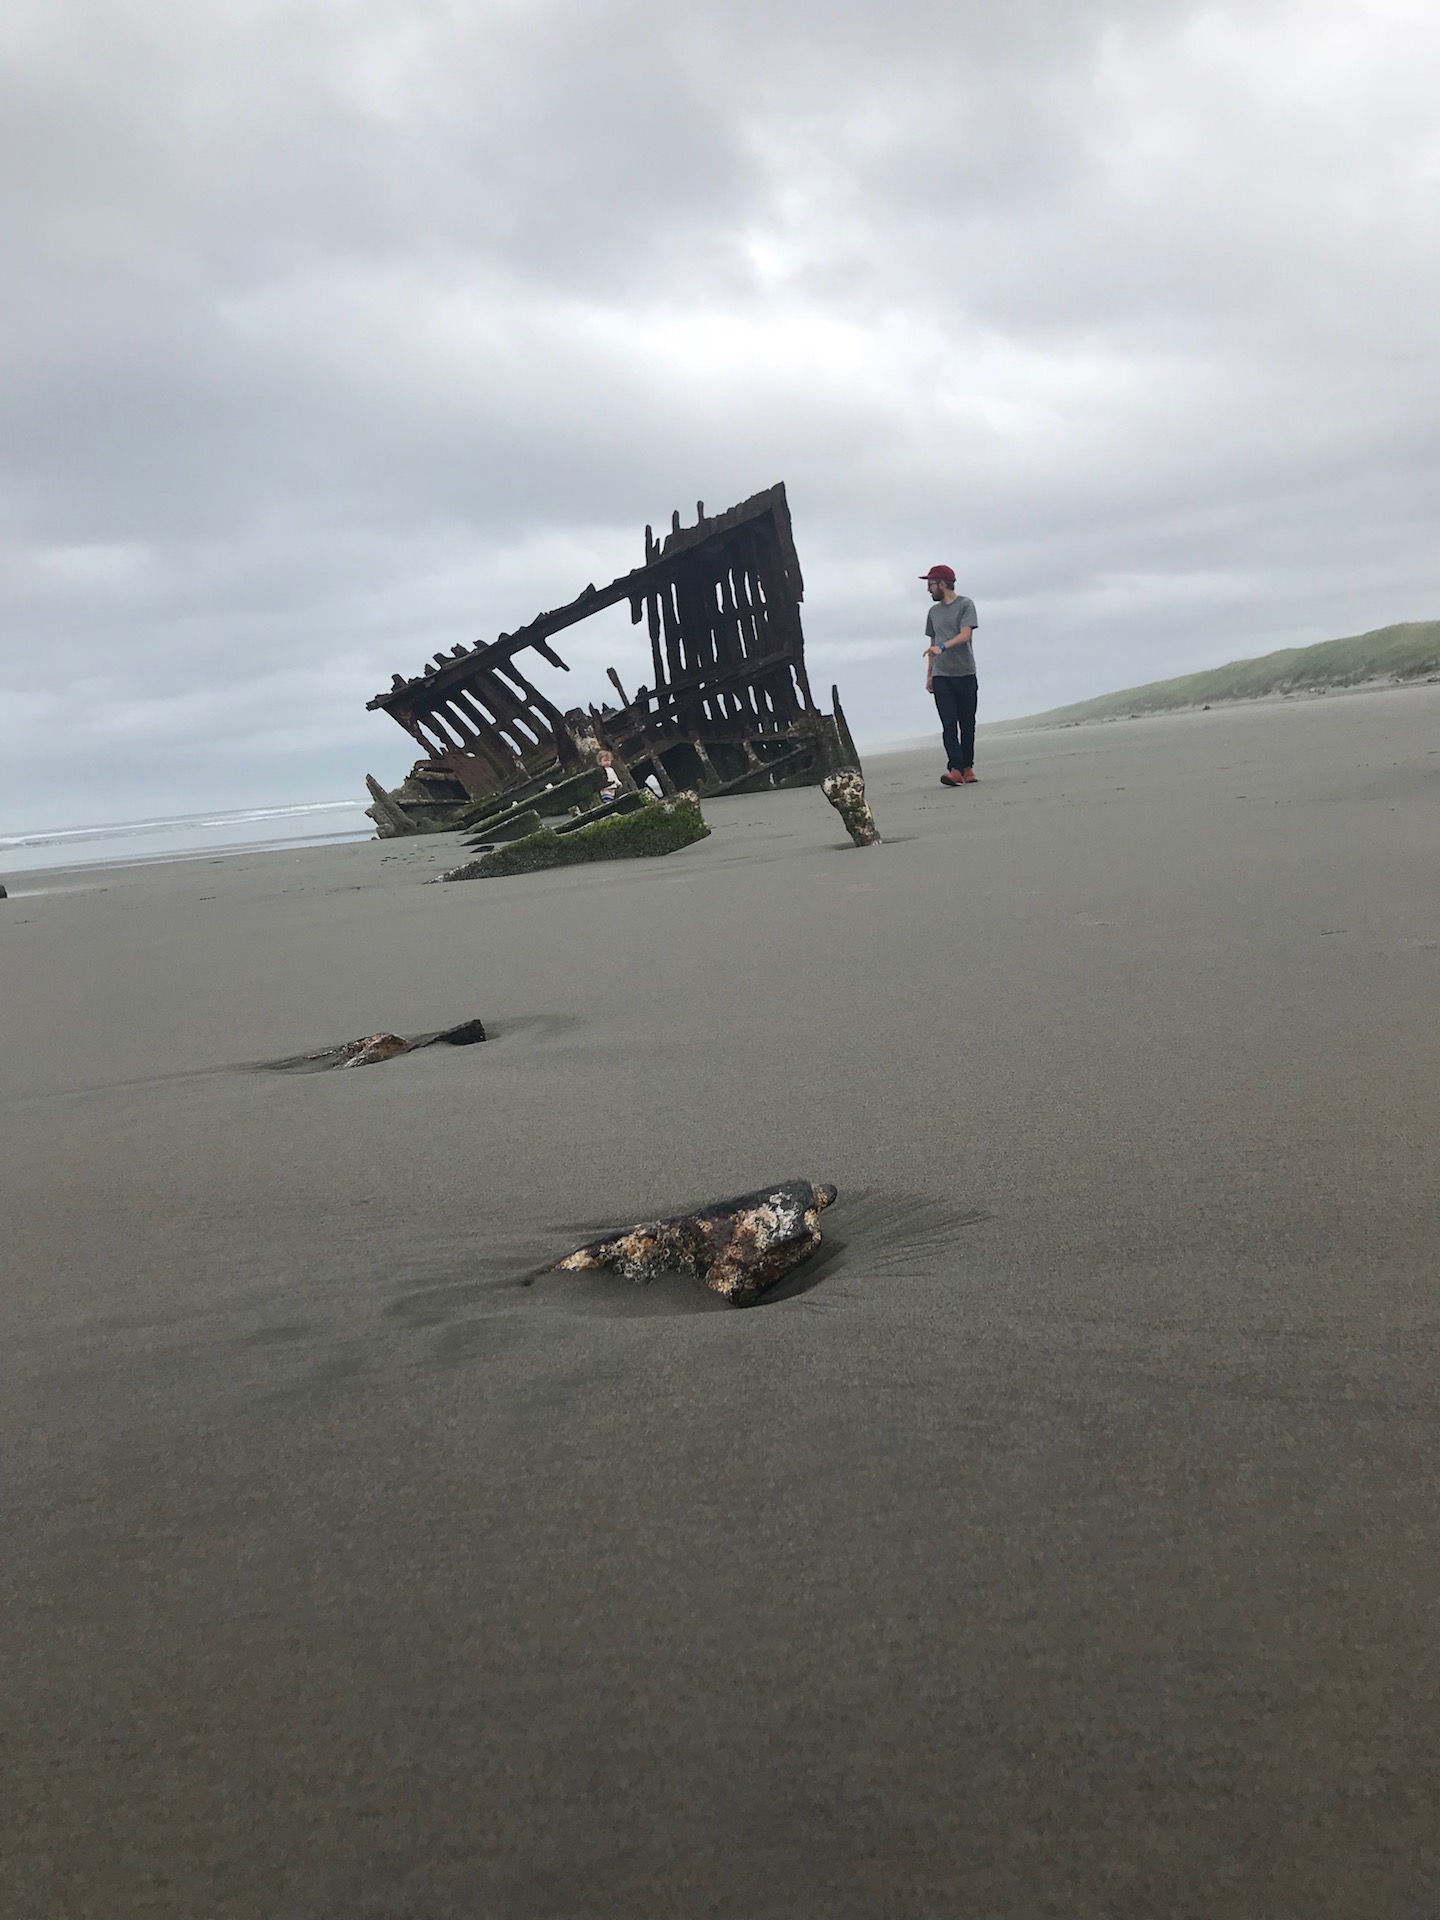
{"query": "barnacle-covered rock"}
{"type": "Point", "coordinates": [739, 1247]}
{"type": "Point", "coordinates": [845, 790]}
{"type": "Point", "coordinates": [375, 1046]}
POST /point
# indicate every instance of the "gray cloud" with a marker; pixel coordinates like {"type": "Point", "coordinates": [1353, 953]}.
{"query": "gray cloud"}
{"type": "Point", "coordinates": [337, 334]}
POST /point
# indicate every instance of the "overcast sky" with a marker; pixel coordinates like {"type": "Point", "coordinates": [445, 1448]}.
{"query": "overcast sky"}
{"type": "Point", "coordinates": [339, 331]}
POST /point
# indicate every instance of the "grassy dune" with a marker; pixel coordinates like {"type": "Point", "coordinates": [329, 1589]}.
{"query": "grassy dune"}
{"type": "Point", "coordinates": [1407, 652]}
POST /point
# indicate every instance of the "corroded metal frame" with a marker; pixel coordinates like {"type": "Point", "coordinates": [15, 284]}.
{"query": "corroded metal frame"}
{"type": "Point", "coordinates": [729, 706]}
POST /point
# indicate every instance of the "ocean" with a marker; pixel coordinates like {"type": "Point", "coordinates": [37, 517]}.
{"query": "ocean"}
{"type": "Point", "coordinates": [183, 836]}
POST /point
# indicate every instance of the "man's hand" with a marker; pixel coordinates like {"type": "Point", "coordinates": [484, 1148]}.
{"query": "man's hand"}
{"type": "Point", "coordinates": [933, 653]}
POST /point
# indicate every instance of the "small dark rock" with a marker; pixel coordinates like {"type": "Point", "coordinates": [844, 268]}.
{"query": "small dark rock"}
{"type": "Point", "coordinates": [467, 1034]}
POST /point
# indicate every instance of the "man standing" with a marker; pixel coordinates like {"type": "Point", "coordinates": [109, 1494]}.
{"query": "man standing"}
{"type": "Point", "coordinates": [950, 673]}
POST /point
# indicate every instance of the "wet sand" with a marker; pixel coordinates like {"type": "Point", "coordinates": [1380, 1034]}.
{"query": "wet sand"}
{"type": "Point", "coordinates": [1062, 1541]}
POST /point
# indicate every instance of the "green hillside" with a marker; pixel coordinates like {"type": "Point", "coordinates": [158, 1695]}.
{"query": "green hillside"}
{"type": "Point", "coordinates": [1407, 652]}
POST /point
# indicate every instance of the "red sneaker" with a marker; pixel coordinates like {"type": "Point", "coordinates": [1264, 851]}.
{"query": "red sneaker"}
{"type": "Point", "coordinates": [950, 778]}
{"type": "Point", "coordinates": [969, 777]}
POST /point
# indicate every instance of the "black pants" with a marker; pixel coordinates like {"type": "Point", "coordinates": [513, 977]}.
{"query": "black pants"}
{"type": "Point", "coordinates": [955, 697]}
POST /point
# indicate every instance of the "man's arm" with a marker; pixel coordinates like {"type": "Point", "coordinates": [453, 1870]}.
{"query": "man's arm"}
{"type": "Point", "coordinates": [933, 652]}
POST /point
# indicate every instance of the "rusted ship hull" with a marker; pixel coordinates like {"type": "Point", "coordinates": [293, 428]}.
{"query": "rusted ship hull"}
{"type": "Point", "coordinates": [728, 710]}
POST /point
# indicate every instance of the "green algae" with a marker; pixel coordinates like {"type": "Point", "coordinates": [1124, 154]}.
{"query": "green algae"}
{"type": "Point", "coordinates": [656, 827]}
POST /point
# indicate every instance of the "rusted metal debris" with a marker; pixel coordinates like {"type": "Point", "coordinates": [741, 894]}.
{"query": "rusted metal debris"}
{"type": "Point", "coordinates": [740, 1247]}
{"type": "Point", "coordinates": [375, 1047]}
{"type": "Point", "coordinates": [728, 708]}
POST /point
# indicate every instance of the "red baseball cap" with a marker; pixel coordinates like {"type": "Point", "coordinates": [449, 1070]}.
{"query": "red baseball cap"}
{"type": "Point", "coordinates": [947, 574]}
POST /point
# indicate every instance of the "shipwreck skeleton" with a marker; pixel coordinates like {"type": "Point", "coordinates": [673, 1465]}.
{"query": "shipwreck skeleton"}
{"type": "Point", "coordinates": [728, 710]}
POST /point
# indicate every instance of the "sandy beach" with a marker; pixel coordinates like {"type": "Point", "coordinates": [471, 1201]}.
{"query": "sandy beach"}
{"type": "Point", "coordinates": [1060, 1542]}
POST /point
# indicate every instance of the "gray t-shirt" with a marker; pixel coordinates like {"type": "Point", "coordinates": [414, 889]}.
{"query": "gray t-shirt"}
{"type": "Point", "coordinates": [942, 623]}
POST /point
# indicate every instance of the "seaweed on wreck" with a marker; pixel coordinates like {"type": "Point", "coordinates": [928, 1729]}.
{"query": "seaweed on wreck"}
{"type": "Point", "coordinates": [654, 827]}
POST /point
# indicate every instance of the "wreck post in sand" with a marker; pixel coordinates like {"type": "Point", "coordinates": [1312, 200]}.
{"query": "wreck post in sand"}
{"type": "Point", "coordinates": [728, 709]}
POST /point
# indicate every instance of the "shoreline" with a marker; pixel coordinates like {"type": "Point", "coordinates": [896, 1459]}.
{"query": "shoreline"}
{"type": "Point", "coordinates": [917, 744]}
{"type": "Point", "coordinates": [98, 871]}
{"type": "Point", "coordinates": [133, 842]}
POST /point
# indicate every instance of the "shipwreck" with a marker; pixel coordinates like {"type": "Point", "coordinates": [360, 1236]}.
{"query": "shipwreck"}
{"type": "Point", "coordinates": [728, 708]}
